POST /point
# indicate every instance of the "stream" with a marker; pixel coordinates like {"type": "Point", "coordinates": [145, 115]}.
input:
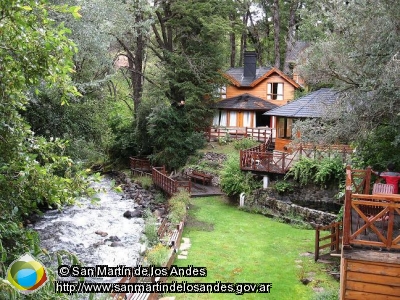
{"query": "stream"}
{"type": "Point", "coordinates": [96, 232]}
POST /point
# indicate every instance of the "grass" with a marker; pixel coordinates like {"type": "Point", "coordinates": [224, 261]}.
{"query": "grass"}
{"type": "Point", "coordinates": [240, 247]}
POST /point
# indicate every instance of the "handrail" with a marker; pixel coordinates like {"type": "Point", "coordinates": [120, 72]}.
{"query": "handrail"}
{"type": "Point", "coordinates": [169, 185]}
{"type": "Point", "coordinates": [335, 238]}
{"type": "Point", "coordinates": [259, 134]}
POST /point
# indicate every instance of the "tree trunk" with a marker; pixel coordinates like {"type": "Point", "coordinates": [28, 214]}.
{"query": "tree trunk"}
{"type": "Point", "coordinates": [290, 39]}
{"type": "Point", "coordinates": [277, 24]}
{"type": "Point", "coordinates": [232, 36]}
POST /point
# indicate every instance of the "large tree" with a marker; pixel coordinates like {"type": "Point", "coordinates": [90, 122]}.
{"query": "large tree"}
{"type": "Point", "coordinates": [33, 172]}
{"type": "Point", "coordinates": [358, 56]}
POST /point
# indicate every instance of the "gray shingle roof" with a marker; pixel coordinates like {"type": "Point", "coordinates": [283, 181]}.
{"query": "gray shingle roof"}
{"type": "Point", "coordinates": [237, 74]}
{"type": "Point", "coordinates": [245, 102]}
{"type": "Point", "coordinates": [310, 106]}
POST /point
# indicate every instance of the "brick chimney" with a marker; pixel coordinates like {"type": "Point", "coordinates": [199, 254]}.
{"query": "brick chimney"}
{"type": "Point", "coordinates": [250, 61]}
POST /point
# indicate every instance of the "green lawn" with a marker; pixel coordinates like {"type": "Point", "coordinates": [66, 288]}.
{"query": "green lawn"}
{"type": "Point", "coordinates": [237, 246]}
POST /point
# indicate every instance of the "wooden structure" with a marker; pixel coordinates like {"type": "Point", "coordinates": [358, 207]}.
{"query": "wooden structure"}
{"type": "Point", "coordinates": [312, 105]}
{"type": "Point", "coordinates": [236, 133]}
{"type": "Point", "coordinates": [140, 165]}
{"type": "Point", "coordinates": [167, 184]}
{"type": "Point", "coordinates": [370, 264]}
{"type": "Point", "coordinates": [259, 159]}
{"type": "Point", "coordinates": [200, 176]}
{"type": "Point", "coordinates": [249, 86]}
{"type": "Point", "coordinates": [333, 241]}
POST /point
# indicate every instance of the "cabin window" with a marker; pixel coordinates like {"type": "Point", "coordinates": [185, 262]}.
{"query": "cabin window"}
{"type": "Point", "coordinates": [216, 119]}
{"type": "Point", "coordinates": [275, 91]}
{"type": "Point", "coordinates": [247, 119]}
{"type": "Point", "coordinates": [284, 128]}
{"type": "Point", "coordinates": [232, 118]}
{"type": "Point", "coordinates": [223, 118]}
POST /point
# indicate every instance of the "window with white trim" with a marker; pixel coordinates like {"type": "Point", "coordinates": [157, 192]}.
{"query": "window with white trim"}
{"type": "Point", "coordinates": [275, 91]}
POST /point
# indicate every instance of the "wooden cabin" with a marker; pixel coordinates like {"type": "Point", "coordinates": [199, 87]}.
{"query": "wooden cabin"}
{"type": "Point", "coordinates": [313, 105]}
{"type": "Point", "coordinates": [370, 258]}
{"type": "Point", "coordinates": [242, 99]}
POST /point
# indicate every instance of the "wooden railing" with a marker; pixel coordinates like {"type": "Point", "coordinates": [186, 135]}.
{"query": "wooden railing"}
{"type": "Point", "coordinates": [140, 165]}
{"type": "Point", "coordinates": [372, 220]}
{"type": "Point", "coordinates": [259, 159]}
{"type": "Point", "coordinates": [169, 185]}
{"type": "Point", "coordinates": [334, 238]}
{"type": "Point", "coordinates": [369, 220]}
{"type": "Point", "coordinates": [259, 134]}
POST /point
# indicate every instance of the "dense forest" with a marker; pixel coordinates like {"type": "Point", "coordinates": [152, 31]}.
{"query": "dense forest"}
{"type": "Point", "coordinates": [85, 84]}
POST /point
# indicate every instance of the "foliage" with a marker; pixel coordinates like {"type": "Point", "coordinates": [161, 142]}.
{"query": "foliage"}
{"type": "Point", "coordinates": [379, 147]}
{"type": "Point", "coordinates": [34, 171]}
{"type": "Point", "coordinates": [233, 180]}
{"type": "Point", "coordinates": [173, 136]}
{"type": "Point", "coordinates": [323, 171]}
{"type": "Point", "coordinates": [330, 294]}
{"type": "Point", "coordinates": [157, 256]}
{"type": "Point", "coordinates": [244, 143]}
{"type": "Point", "coordinates": [150, 229]}
{"type": "Point", "coordinates": [144, 181]}
{"type": "Point", "coordinates": [178, 207]}
{"type": "Point", "coordinates": [283, 187]}
{"type": "Point", "coordinates": [360, 59]}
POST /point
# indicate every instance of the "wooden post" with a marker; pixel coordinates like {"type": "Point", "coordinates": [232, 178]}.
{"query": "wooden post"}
{"type": "Point", "coordinates": [367, 184]}
{"type": "Point", "coordinates": [347, 210]}
{"type": "Point", "coordinates": [337, 228]}
{"type": "Point", "coordinates": [316, 252]}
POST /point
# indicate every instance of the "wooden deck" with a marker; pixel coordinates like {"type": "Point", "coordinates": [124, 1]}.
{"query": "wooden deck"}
{"type": "Point", "coordinates": [259, 159]}
{"type": "Point", "coordinates": [370, 262]}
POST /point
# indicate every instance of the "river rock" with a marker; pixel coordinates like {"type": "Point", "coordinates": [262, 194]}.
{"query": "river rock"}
{"type": "Point", "coordinates": [116, 244]}
{"type": "Point", "coordinates": [113, 238]}
{"type": "Point", "coordinates": [101, 233]}
{"type": "Point", "coordinates": [133, 214]}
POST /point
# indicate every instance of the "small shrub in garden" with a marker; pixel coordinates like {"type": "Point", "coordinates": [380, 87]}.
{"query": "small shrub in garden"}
{"type": "Point", "coordinates": [244, 143]}
{"type": "Point", "coordinates": [157, 256]}
{"type": "Point", "coordinates": [233, 180]}
{"type": "Point", "coordinates": [150, 229]}
{"type": "Point", "coordinates": [283, 187]}
{"type": "Point", "coordinates": [177, 206]}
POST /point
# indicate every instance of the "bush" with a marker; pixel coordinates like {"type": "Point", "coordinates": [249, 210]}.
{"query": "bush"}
{"type": "Point", "coordinates": [177, 206]}
{"type": "Point", "coordinates": [244, 143]}
{"type": "Point", "coordinates": [283, 187]}
{"type": "Point", "coordinates": [322, 172]}
{"type": "Point", "coordinates": [234, 181]}
{"type": "Point", "coordinates": [157, 256]}
{"type": "Point", "coordinates": [150, 229]}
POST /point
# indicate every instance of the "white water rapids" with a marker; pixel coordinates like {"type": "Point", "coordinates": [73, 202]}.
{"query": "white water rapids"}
{"type": "Point", "coordinates": [74, 229]}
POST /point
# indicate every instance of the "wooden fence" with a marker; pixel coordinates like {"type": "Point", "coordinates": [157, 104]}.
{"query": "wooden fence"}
{"type": "Point", "coordinates": [140, 165]}
{"type": "Point", "coordinates": [169, 185]}
{"type": "Point", "coordinates": [333, 239]}
{"type": "Point", "coordinates": [236, 133]}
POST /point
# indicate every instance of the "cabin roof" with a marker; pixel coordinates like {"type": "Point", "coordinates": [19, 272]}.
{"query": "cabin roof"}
{"type": "Point", "coordinates": [312, 105]}
{"type": "Point", "coordinates": [245, 102]}
{"type": "Point", "coordinates": [235, 75]}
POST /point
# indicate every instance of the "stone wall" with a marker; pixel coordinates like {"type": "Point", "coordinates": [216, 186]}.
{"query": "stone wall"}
{"type": "Point", "coordinates": [267, 202]}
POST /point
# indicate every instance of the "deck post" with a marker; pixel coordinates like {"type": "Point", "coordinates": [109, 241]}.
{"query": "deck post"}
{"type": "Point", "coordinates": [316, 252]}
{"type": "Point", "coordinates": [347, 210]}
{"type": "Point", "coordinates": [265, 181]}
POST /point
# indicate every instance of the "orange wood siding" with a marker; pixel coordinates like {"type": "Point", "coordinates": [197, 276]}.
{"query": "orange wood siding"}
{"type": "Point", "coordinates": [260, 90]}
{"type": "Point", "coordinates": [280, 144]}
{"type": "Point", "coordinates": [366, 280]}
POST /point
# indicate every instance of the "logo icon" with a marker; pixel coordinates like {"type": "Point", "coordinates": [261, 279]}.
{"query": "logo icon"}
{"type": "Point", "coordinates": [26, 274]}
